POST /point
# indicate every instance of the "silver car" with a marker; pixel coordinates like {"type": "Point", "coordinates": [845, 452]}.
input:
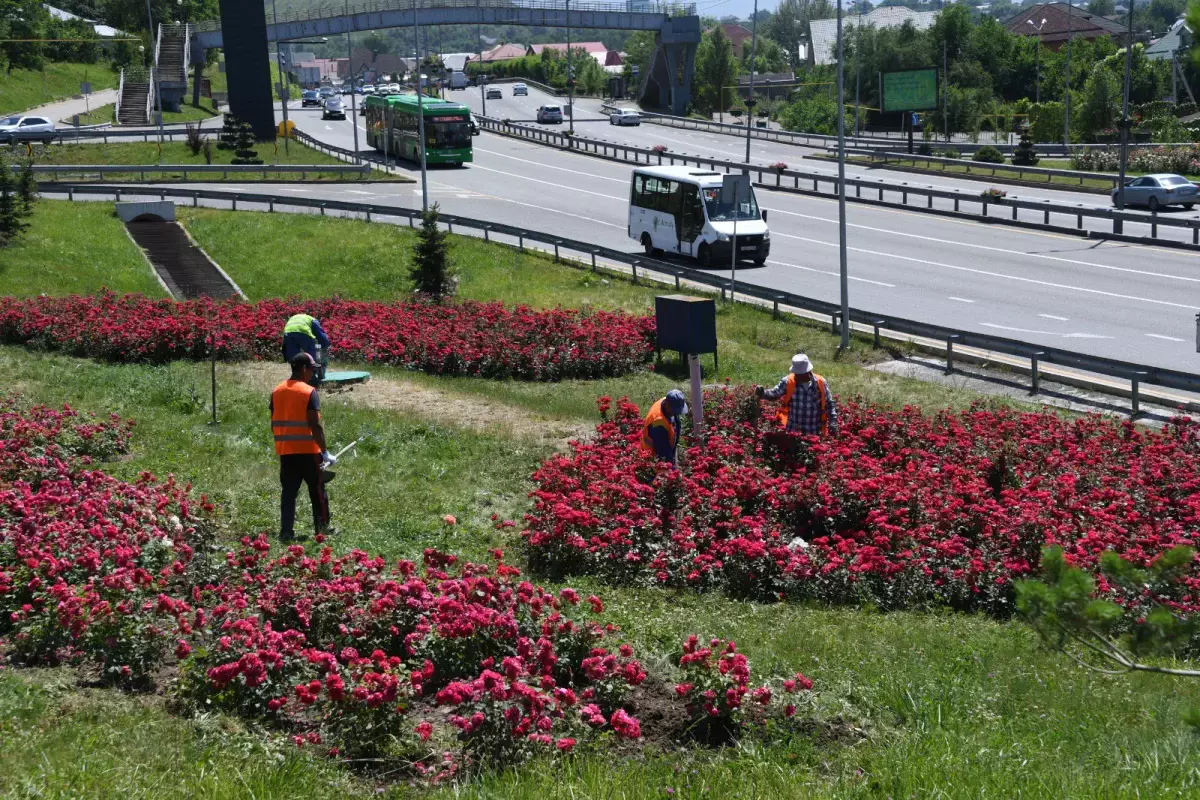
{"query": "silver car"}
{"type": "Point", "coordinates": [24, 128]}
{"type": "Point", "coordinates": [550, 114]}
{"type": "Point", "coordinates": [625, 116]}
{"type": "Point", "coordinates": [1156, 191]}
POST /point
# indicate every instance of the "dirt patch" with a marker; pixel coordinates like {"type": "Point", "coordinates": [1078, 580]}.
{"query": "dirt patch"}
{"type": "Point", "coordinates": [452, 409]}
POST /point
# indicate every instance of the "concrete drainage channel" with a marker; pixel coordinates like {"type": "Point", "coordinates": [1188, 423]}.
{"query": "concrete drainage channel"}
{"type": "Point", "coordinates": [1089, 373]}
{"type": "Point", "coordinates": [182, 267]}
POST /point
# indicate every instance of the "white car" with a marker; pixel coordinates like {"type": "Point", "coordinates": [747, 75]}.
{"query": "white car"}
{"type": "Point", "coordinates": [393, 88]}
{"type": "Point", "coordinates": [23, 128]}
{"type": "Point", "coordinates": [368, 88]}
{"type": "Point", "coordinates": [520, 89]}
{"type": "Point", "coordinates": [625, 116]}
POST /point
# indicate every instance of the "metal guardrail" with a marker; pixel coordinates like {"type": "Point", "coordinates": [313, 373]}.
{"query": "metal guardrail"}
{"type": "Point", "coordinates": [1136, 374]}
{"type": "Point", "coordinates": [330, 10]}
{"type": "Point", "coordinates": [203, 169]}
{"type": "Point", "coordinates": [790, 180]}
{"type": "Point", "coordinates": [1020, 171]}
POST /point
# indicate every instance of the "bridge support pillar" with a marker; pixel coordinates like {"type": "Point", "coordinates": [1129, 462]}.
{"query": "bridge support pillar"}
{"type": "Point", "coordinates": [244, 39]}
{"type": "Point", "coordinates": [669, 84]}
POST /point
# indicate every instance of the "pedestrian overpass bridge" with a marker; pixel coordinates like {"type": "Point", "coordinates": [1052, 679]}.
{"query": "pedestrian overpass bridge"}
{"type": "Point", "coordinates": [675, 25]}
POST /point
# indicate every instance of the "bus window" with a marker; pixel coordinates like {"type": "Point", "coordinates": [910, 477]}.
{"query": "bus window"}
{"type": "Point", "coordinates": [726, 212]}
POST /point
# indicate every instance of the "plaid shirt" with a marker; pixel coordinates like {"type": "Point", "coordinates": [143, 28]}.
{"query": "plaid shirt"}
{"type": "Point", "coordinates": [804, 412]}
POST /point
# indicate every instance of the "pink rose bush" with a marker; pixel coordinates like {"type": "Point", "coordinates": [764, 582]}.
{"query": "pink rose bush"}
{"type": "Point", "coordinates": [469, 338]}
{"type": "Point", "coordinates": [900, 509]}
{"type": "Point", "coordinates": [440, 665]}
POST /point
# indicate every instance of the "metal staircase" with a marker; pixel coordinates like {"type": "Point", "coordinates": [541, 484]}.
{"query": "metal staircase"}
{"type": "Point", "coordinates": [172, 59]}
{"type": "Point", "coordinates": [135, 96]}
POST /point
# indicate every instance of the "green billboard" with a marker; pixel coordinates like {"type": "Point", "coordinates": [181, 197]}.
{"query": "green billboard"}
{"type": "Point", "coordinates": [910, 90]}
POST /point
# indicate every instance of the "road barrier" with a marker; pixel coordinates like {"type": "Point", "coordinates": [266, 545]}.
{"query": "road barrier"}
{"type": "Point", "coordinates": [203, 169]}
{"type": "Point", "coordinates": [1136, 374]}
{"type": "Point", "coordinates": [1006, 169]}
{"type": "Point", "coordinates": [885, 192]}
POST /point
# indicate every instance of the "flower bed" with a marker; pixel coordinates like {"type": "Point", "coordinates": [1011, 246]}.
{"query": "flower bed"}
{"type": "Point", "coordinates": [1180, 160]}
{"type": "Point", "coordinates": [463, 338]}
{"type": "Point", "coordinates": [427, 668]}
{"type": "Point", "coordinates": [900, 510]}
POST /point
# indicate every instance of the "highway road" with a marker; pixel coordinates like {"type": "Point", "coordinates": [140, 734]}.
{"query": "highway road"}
{"type": "Point", "coordinates": [1125, 301]}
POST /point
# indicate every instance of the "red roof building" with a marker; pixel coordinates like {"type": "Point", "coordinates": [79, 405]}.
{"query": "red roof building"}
{"type": "Point", "coordinates": [596, 50]}
{"type": "Point", "coordinates": [1054, 32]}
{"type": "Point", "coordinates": [504, 52]}
{"type": "Point", "coordinates": [738, 36]}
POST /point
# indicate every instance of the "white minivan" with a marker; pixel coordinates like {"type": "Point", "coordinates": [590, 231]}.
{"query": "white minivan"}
{"type": "Point", "coordinates": [679, 210]}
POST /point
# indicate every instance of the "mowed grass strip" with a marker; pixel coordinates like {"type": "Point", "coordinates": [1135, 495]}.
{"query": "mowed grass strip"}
{"type": "Point", "coordinates": [177, 153]}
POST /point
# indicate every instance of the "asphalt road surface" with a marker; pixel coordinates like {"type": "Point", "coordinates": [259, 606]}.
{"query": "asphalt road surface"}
{"type": "Point", "coordinates": [1132, 302]}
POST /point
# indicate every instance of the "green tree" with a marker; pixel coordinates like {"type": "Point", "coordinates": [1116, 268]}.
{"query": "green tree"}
{"type": "Point", "coordinates": [431, 270]}
{"type": "Point", "coordinates": [716, 67]}
{"type": "Point", "coordinates": [27, 188]}
{"type": "Point", "coordinates": [22, 19]}
{"type": "Point", "coordinates": [130, 15]}
{"type": "Point", "coordinates": [1102, 8]}
{"type": "Point", "coordinates": [1164, 12]}
{"type": "Point", "coordinates": [1101, 103]}
{"type": "Point", "coordinates": [790, 24]}
{"type": "Point", "coordinates": [769, 58]}
{"type": "Point", "coordinates": [11, 224]}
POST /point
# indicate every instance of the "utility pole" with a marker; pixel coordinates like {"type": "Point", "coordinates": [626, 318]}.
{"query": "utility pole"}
{"type": "Point", "coordinates": [1037, 55]}
{"type": "Point", "coordinates": [841, 112]}
{"type": "Point", "coordinates": [350, 73]}
{"type": "Point", "coordinates": [480, 78]}
{"type": "Point", "coordinates": [945, 93]}
{"type": "Point", "coordinates": [753, 58]}
{"type": "Point", "coordinates": [421, 120]}
{"type": "Point", "coordinates": [857, 70]}
{"type": "Point", "coordinates": [1067, 83]}
{"type": "Point", "coordinates": [571, 74]}
{"type": "Point", "coordinates": [1117, 224]}
{"type": "Point", "coordinates": [284, 89]}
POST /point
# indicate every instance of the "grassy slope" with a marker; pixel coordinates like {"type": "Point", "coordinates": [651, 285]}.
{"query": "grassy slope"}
{"type": "Point", "coordinates": [953, 705]}
{"type": "Point", "coordinates": [186, 113]}
{"type": "Point", "coordinates": [74, 247]}
{"type": "Point", "coordinates": [23, 89]}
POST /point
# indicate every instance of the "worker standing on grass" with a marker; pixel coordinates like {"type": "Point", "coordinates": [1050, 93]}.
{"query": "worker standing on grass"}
{"type": "Point", "coordinates": [805, 402]}
{"type": "Point", "coordinates": [303, 334]}
{"type": "Point", "coordinates": [660, 434]}
{"type": "Point", "coordinates": [300, 445]}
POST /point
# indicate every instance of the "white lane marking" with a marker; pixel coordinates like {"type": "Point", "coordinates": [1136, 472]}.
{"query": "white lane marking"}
{"type": "Point", "coordinates": [1168, 338]}
{"type": "Point", "coordinates": [960, 299]}
{"type": "Point", "coordinates": [991, 274]}
{"type": "Point", "coordinates": [358, 191]}
{"type": "Point", "coordinates": [1044, 333]}
{"type": "Point", "coordinates": [834, 274]}
{"type": "Point", "coordinates": [544, 183]}
{"type": "Point", "coordinates": [989, 248]}
{"type": "Point", "coordinates": [547, 166]}
{"type": "Point", "coordinates": [1052, 316]}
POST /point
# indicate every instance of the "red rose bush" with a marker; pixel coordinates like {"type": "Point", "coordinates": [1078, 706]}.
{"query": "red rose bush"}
{"type": "Point", "coordinates": [468, 338]}
{"type": "Point", "coordinates": [437, 666]}
{"type": "Point", "coordinates": [899, 509]}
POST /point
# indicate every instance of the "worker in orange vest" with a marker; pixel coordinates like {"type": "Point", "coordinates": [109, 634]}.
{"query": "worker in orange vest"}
{"type": "Point", "coordinates": [805, 402]}
{"type": "Point", "coordinates": [300, 445]}
{"type": "Point", "coordinates": [660, 433]}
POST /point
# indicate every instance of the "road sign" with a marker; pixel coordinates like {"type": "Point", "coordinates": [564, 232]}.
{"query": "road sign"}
{"type": "Point", "coordinates": [910, 90]}
{"type": "Point", "coordinates": [735, 189]}
{"type": "Point", "coordinates": [636, 70]}
{"type": "Point", "coordinates": [85, 88]}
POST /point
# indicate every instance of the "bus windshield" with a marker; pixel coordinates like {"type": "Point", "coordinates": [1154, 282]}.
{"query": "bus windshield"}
{"type": "Point", "coordinates": [726, 212]}
{"type": "Point", "coordinates": [448, 134]}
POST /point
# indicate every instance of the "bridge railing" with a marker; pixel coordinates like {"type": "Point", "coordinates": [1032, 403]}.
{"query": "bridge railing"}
{"type": "Point", "coordinates": [885, 192]}
{"type": "Point", "coordinates": [645, 267]}
{"type": "Point", "coordinates": [331, 10]}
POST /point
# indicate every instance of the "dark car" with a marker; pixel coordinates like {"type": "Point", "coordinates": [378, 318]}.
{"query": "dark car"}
{"type": "Point", "coordinates": [311, 97]}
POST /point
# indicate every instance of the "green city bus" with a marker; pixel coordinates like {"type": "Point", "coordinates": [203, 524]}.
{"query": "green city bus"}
{"type": "Point", "coordinates": [447, 128]}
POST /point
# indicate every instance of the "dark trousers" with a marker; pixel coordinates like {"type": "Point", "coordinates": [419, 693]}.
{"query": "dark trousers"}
{"type": "Point", "coordinates": [294, 470]}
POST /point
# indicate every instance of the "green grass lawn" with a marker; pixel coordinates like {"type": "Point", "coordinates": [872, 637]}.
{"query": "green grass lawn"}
{"type": "Point", "coordinates": [174, 153]}
{"type": "Point", "coordinates": [23, 89]}
{"type": "Point", "coordinates": [982, 170]}
{"type": "Point", "coordinates": [949, 705]}
{"type": "Point", "coordinates": [186, 113]}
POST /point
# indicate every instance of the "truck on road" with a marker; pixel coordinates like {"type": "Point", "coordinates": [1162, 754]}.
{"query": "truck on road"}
{"type": "Point", "coordinates": [458, 80]}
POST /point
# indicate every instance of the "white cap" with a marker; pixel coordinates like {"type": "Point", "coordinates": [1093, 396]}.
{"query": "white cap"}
{"type": "Point", "coordinates": [801, 364]}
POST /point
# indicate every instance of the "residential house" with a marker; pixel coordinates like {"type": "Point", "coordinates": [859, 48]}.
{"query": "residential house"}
{"type": "Point", "coordinates": [737, 35]}
{"type": "Point", "coordinates": [823, 39]}
{"type": "Point", "coordinates": [1054, 31]}
{"type": "Point", "coordinates": [504, 52]}
{"type": "Point", "coordinates": [773, 85]}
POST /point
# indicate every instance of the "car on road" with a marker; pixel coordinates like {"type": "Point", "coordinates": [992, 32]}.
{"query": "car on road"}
{"type": "Point", "coordinates": [549, 114]}
{"type": "Point", "coordinates": [311, 97]}
{"type": "Point", "coordinates": [474, 123]}
{"type": "Point", "coordinates": [26, 128]}
{"type": "Point", "coordinates": [494, 93]}
{"type": "Point", "coordinates": [326, 92]}
{"type": "Point", "coordinates": [368, 88]}
{"type": "Point", "coordinates": [625, 116]}
{"type": "Point", "coordinates": [520, 90]}
{"type": "Point", "coordinates": [334, 108]}
{"type": "Point", "coordinates": [1158, 191]}
{"type": "Point", "coordinates": [347, 89]}
{"type": "Point", "coordinates": [394, 88]}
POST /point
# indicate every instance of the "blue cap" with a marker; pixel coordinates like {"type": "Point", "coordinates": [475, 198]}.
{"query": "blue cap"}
{"type": "Point", "coordinates": [677, 402]}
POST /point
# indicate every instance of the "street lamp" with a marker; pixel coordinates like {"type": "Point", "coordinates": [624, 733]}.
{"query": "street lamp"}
{"type": "Point", "coordinates": [1118, 225]}
{"type": "Point", "coordinates": [157, 87]}
{"type": "Point", "coordinates": [1037, 97]}
{"type": "Point", "coordinates": [283, 84]}
{"type": "Point", "coordinates": [1067, 89]}
{"type": "Point", "coordinates": [841, 112]}
{"type": "Point", "coordinates": [750, 91]}
{"type": "Point", "coordinates": [350, 73]}
{"type": "Point", "coordinates": [571, 74]}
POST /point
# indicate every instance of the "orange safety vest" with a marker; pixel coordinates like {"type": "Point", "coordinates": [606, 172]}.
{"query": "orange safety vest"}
{"type": "Point", "coordinates": [785, 402]}
{"type": "Point", "coordinates": [656, 417]}
{"type": "Point", "coordinates": [289, 419]}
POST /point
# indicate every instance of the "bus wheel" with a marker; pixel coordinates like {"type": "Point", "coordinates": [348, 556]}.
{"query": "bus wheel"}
{"type": "Point", "coordinates": [758, 262]}
{"type": "Point", "coordinates": [704, 255]}
{"type": "Point", "coordinates": [648, 245]}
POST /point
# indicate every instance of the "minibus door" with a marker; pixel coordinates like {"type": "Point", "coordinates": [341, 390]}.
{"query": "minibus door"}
{"type": "Point", "coordinates": [692, 220]}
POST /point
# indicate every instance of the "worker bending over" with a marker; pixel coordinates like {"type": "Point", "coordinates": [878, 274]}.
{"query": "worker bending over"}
{"type": "Point", "coordinates": [805, 402]}
{"type": "Point", "coordinates": [303, 334]}
{"type": "Point", "coordinates": [660, 434]}
{"type": "Point", "coordinates": [300, 445]}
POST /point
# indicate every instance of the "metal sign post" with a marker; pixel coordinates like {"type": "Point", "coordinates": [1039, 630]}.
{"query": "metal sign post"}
{"type": "Point", "coordinates": [735, 190]}
{"type": "Point", "coordinates": [697, 392]}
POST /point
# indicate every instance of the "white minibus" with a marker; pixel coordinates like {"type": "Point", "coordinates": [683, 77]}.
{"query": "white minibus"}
{"type": "Point", "coordinates": [679, 210]}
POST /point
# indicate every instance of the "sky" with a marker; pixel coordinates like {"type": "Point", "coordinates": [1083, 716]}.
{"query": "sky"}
{"type": "Point", "coordinates": [738, 8]}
